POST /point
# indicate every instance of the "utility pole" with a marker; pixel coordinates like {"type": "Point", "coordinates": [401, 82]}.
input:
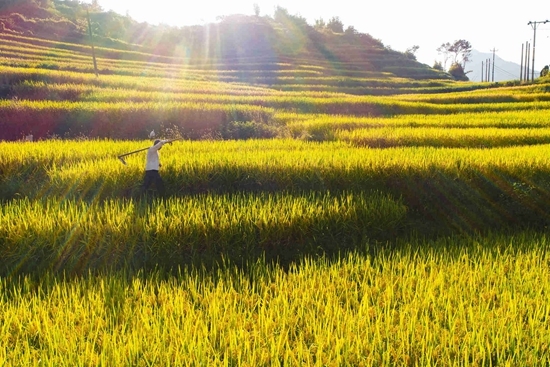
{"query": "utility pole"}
{"type": "Point", "coordinates": [526, 63]}
{"type": "Point", "coordinates": [91, 40]}
{"type": "Point", "coordinates": [527, 60]}
{"type": "Point", "coordinates": [482, 63]}
{"type": "Point", "coordinates": [534, 25]}
{"type": "Point", "coordinates": [494, 63]}
{"type": "Point", "coordinates": [521, 65]}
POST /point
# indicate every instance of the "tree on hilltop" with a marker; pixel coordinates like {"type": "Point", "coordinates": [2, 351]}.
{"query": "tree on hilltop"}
{"type": "Point", "coordinates": [335, 25]}
{"type": "Point", "coordinates": [438, 66]}
{"type": "Point", "coordinates": [282, 16]}
{"type": "Point", "coordinates": [320, 24]}
{"type": "Point", "coordinates": [457, 71]}
{"type": "Point", "coordinates": [411, 52]}
{"type": "Point", "coordinates": [350, 30]}
{"type": "Point", "coordinates": [459, 52]}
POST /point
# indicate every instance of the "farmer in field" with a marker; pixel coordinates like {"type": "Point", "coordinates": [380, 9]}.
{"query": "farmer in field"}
{"type": "Point", "coordinates": [152, 166]}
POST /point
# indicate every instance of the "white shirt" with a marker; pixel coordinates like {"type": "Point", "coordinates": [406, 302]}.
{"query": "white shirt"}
{"type": "Point", "coordinates": [153, 162]}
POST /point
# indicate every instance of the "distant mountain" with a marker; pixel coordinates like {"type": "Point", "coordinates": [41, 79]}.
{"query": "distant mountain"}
{"type": "Point", "coordinates": [504, 70]}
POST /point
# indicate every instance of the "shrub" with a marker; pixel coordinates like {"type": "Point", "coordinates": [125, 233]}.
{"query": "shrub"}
{"type": "Point", "coordinates": [457, 71]}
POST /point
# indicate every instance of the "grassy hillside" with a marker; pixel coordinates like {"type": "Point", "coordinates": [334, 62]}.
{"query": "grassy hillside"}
{"type": "Point", "coordinates": [235, 42]}
{"type": "Point", "coordinates": [49, 87]}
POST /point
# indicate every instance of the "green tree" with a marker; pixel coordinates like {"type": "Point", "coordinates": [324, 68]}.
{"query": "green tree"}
{"type": "Point", "coordinates": [443, 50]}
{"type": "Point", "coordinates": [462, 50]}
{"type": "Point", "coordinates": [320, 24]}
{"type": "Point", "coordinates": [438, 66]}
{"type": "Point", "coordinates": [283, 16]}
{"type": "Point", "coordinates": [545, 71]}
{"type": "Point", "coordinates": [96, 6]}
{"type": "Point", "coordinates": [335, 25]}
{"type": "Point", "coordinates": [411, 52]}
{"type": "Point", "coordinates": [459, 51]}
{"type": "Point", "coordinates": [350, 30]}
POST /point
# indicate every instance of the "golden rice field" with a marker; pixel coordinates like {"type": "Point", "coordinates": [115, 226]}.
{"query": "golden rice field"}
{"type": "Point", "coordinates": [456, 301]}
{"type": "Point", "coordinates": [309, 219]}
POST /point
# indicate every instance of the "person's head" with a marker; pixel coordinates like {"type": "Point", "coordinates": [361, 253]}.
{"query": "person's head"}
{"type": "Point", "coordinates": [156, 142]}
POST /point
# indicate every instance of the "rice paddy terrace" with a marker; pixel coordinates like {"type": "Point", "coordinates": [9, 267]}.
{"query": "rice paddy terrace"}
{"type": "Point", "coordinates": [319, 210]}
{"type": "Point", "coordinates": [454, 156]}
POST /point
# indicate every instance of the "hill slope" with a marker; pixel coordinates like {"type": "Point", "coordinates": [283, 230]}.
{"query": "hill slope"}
{"type": "Point", "coordinates": [233, 43]}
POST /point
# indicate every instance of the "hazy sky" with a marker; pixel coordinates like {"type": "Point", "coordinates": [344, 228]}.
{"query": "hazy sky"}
{"type": "Point", "coordinates": [486, 24]}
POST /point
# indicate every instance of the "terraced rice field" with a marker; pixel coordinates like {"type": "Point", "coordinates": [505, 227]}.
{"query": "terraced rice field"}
{"type": "Point", "coordinates": [307, 220]}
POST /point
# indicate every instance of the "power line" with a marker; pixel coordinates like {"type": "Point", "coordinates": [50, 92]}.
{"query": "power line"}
{"type": "Point", "coordinates": [477, 75]}
{"type": "Point", "coordinates": [506, 71]}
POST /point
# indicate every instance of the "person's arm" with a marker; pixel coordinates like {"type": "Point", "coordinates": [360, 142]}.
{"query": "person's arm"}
{"type": "Point", "coordinates": [159, 145]}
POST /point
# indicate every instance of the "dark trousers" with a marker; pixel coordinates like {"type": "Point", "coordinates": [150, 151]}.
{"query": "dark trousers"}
{"type": "Point", "coordinates": [152, 177]}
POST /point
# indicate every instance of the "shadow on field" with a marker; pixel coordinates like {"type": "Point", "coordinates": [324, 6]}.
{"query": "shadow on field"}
{"type": "Point", "coordinates": [69, 236]}
{"type": "Point", "coordinates": [204, 230]}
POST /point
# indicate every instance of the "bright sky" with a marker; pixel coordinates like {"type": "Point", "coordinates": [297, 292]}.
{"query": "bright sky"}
{"type": "Point", "coordinates": [486, 24]}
